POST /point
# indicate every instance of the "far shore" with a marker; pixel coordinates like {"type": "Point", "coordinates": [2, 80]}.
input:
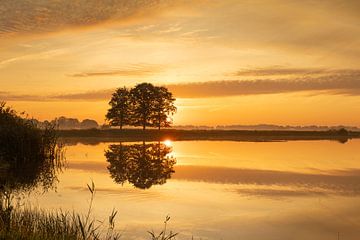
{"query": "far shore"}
{"type": "Point", "coordinates": [93, 136]}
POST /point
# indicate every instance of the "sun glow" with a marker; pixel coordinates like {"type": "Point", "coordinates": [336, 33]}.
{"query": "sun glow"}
{"type": "Point", "coordinates": [168, 143]}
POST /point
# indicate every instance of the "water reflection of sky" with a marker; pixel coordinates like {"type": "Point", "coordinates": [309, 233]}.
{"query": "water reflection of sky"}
{"type": "Point", "coordinates": [228, 190]}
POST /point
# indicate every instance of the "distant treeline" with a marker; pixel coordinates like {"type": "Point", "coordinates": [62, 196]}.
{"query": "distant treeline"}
{"type": "Point", "coordinates": [64, 123]}
{"type": "Point", "coordinates": [269, 127]}
{"type": "Point", "coordinates": [94, 136]}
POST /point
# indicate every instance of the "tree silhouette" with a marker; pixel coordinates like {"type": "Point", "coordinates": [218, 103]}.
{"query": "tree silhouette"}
{"type": "Point", "coordinates": [142, 165]}
{"type": "Point", "coordinates": [142, 104]}
{"type": "Point", "coordinates": [119, 112]}
{"type": "Point", "coordinates": [163, 106]}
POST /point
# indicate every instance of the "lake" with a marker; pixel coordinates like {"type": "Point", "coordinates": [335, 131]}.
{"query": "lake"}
{"type": "Point", "coordinates": [216, 189]}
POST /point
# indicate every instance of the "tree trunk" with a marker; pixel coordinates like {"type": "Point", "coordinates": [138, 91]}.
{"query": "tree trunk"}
{"type": "Point", "coordinates": [144, 121]}
{"type": "Point", "coordinates": [159, 119]}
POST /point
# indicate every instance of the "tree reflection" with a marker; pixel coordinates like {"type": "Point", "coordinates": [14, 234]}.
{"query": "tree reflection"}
{"type": "Point", "coordinates": [142, 165]}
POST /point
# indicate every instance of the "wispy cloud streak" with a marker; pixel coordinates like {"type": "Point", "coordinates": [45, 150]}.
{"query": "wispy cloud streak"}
{"type": "Point", "coordinates": [345, 82]}
{"type": "Point", "coordinates": [35, 56]}
{"type": "Point", "coordinates": [333, 82]}
{"type": "Point", "coordinates": [134, 70]}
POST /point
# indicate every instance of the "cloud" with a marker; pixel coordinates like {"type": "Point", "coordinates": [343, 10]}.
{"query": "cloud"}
{"type": "Point", "coordinates": [279, 70]}
{"type": "Point", "coordinates": [85, 96]}
{"type": "Point", "coordinates": [333, 82]}
{"type": "Point", "coordinates": [345, 82]}
{"type": "Point", "coordinates": [92, 95]}
{"type": "Point", "coordinates": [35, 56]}
{"type": "Point", "coordinates": [133, 70]}
{"type": "Point", "coordinates": [37, 16]}
{"type": "Point", "coordinates": [7, 96]}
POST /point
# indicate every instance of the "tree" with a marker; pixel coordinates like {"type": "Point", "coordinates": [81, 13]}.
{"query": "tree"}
{"type": "Point", "coordinates": [163, 106]}
{"type": "Point", "coordinates": [119, 112]}
{"type": "Point", "coordinates": [142, 104]}
{"type": "Point", "coordinates": [88, 124]}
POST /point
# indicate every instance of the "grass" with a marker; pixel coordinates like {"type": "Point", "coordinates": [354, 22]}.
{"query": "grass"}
{"type": "Point", "coordinates": [163, 235]}
{"type": "Point", "coordinates": [36, 224]}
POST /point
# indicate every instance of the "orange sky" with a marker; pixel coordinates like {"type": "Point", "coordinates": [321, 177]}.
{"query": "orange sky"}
{"type": "Point", "coordinates": [227, 62]}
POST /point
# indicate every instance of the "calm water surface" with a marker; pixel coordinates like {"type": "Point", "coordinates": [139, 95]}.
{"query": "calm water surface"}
{"type": "Point", "coordinates": [217, 189]}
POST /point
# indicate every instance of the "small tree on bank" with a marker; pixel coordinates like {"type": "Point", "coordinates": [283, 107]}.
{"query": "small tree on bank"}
{"type": "Point", "coordinates": [119, 111]}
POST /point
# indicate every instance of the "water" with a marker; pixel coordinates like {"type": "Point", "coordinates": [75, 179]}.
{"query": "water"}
{"type": "Point", "coordinates": [220, 189]}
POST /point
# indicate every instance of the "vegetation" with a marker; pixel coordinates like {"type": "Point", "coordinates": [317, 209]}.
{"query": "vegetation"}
{"type": "Point", "coordinates": [119, 112]}
{"type": "Point", "coordinates": [163, 106]}
{"type": "Point", "coordinates": [30, 158]}
{"type": "Point", "coordinates": [144, 105]}
{"type": "Point", "coordinates": [35, 224]}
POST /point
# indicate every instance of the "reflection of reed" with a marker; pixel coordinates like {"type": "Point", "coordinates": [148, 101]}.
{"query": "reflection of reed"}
{"type": "Point", "coordinates": [142, 165]}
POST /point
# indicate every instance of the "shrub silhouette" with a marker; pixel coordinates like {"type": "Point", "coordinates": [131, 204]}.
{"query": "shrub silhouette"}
{"type": "Point", "coordinates": [29, 156]}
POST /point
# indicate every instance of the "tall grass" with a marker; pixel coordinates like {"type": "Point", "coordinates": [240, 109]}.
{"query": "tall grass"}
{"type": "Point", "coordinates": [163, 235]}
{"type": "Point", "coordinates": [37, 224]}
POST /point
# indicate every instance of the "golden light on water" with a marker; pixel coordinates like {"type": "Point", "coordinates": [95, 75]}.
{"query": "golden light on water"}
{"type": "Point", "coordinates": [168, 143]}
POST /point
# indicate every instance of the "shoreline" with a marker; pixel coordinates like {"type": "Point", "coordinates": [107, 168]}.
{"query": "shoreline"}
{"type": "Point", "coordinates": [135, 135]}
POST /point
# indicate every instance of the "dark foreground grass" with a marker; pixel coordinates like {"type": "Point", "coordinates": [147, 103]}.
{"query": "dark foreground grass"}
{"type": "Point", "coordinates": [36, 224]}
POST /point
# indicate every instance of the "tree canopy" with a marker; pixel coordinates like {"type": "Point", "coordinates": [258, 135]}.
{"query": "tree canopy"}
{"type": "Point", "coordinates": [118, 114]}
{"type": "Point", "coordinates": [144, 105]}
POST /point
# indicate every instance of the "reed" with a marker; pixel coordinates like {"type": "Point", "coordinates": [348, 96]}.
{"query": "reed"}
{"type": "Point", "coordinates": [37, 224]}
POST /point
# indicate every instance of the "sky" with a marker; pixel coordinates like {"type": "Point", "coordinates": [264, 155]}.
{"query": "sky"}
{"type": "Point", "coordinates": [227, 62]}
